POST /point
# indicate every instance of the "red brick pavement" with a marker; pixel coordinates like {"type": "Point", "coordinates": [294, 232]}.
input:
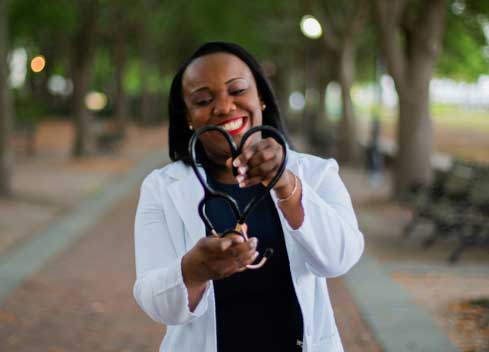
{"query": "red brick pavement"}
{"type": "Point", "coordinates": [82, 300]}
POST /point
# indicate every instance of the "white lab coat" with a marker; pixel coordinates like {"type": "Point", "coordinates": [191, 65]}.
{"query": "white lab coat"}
{"type": "Point", "coordinates": [327, 244]}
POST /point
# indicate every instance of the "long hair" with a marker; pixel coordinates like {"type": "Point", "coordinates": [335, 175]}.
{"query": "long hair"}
{"type": "Point", "coordinates": [179, 133]}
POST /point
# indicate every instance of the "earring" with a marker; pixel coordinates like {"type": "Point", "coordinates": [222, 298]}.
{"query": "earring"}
{"type": "Point", "coordinates": [190, 127]}
{"type": "Point", "coordinates": [263, 106]}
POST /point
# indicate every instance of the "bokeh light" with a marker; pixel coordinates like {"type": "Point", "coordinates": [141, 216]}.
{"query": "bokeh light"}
{"type": "Point", "coordinates": [58, 85]}
{"type": "Point", "coordinates": [38, 63]}
{"type": "Point", "coordinates": [95, 101]}
{"type": "Point", "coordinates": [17, 61]}
{"type": "Point", "coordinates": [311, 27]}
{"type": "Point", "coordinates": [297, 101]}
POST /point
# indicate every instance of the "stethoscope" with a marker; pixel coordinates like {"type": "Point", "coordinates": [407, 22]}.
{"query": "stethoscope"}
{"type": "Point", "coordinates": [210, 193]}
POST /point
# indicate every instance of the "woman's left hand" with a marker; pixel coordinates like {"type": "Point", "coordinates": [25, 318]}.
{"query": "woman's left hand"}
{"type": "Point", "coordinates": [259, 163]}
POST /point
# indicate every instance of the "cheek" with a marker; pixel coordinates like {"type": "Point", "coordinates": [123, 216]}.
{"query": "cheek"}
{"type": "Point", "coordinates": [215, 143]}
{"type": "Point", "coordinates": [198, 117]}
{"type": "Point", "coordinates": [257, 116]}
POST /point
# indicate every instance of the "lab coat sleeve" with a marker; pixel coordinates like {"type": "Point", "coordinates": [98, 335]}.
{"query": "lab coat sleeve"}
{"type": "Point", "coordinates": [159, 288]}
{"type": "Point", "coordinates": [329, 238]}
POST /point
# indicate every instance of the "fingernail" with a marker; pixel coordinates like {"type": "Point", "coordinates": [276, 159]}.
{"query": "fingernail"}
{"type": "Point", "coordinates": [240, 178]}
{"type": "Point", "coordinates": [236, 163]}
{"type": "Point", "coordinates": [242, 170]}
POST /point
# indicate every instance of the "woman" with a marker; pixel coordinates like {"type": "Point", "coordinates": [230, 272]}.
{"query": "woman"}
{"type": "Point", "coordinates": [199, 286]}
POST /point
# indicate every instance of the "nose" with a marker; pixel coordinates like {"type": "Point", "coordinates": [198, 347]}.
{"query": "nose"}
{"type": "Point", "coordinates": [223, 105]}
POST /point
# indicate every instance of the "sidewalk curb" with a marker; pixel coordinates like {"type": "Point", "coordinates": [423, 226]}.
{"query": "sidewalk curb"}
{"type": "Point", "coordinates": [398, 324]}
{"type": "Point", "coordinates": [27, 258]}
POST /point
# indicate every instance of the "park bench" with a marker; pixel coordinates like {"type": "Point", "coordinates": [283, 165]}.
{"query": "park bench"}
{"type": "Point", "coordinates": [475, 216]}
{"type": "Point", "coordinates": [108, 136]}
{"type": "Point", "coordinates": [25, 138]}
{"type": "Point", "coordinates": [455, 204]}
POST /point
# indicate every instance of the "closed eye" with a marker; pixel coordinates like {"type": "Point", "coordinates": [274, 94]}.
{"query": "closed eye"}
{"type": "Point", "coordinates": [203, 102]}
{"type": "Point", "coordinates": [238, 91]}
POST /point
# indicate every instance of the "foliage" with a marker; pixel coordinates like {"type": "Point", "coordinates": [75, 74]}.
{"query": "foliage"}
{"type": "Point", "coordinates": [464, 42]}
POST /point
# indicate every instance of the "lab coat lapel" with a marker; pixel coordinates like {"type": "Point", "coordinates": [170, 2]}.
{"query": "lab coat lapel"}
{"type": "Point", "coordinates": [185, 194]}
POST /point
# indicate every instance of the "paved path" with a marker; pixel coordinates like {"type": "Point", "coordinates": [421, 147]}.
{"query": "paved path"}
{"type": "Point", "coordinates": [81, 299]}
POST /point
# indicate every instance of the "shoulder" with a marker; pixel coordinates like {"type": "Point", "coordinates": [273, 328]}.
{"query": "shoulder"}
{"type": "Point", "coordinates": [308, 162]}
{"type": "Point", "coordinates": [312, 169]}
{"type": "Point", "coordinates": [167, 174]}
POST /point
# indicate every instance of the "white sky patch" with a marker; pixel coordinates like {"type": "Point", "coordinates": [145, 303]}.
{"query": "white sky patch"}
{"type": "Point", "coordinates": [485, 28]}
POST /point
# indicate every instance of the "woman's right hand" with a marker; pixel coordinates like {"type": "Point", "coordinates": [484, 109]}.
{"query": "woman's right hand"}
{"type": "Point", "coordinates": [215, 258]}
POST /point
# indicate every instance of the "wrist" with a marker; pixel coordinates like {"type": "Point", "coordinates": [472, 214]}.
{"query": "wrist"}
{"type": "Point", "coordinates": [287, 191]}
{"type": "Point", "coordinates": [193, 276]}
{"type": "Point", "coordinates": [285, 183]}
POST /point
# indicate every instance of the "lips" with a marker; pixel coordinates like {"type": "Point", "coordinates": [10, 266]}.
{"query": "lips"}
{"type": "Point", "coordinates": [234, 125]}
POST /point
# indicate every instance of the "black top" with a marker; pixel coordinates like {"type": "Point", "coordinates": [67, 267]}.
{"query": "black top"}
{"type": "Point", "coordinates": [256, 310]}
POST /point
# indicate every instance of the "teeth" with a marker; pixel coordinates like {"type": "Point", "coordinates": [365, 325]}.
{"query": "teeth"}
{"type": "Point", "coordinates": [233, 125]}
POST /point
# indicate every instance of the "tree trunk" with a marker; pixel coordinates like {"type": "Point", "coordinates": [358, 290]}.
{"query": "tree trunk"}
{"type": "Point", "coordinates": [415, 128]}
{"type": "Point", "coordinates": [81, 68]}
{"type": "Point", "coordinates": [311, 109]}
{"type": "Point", "coordinates": [6, 154]}
{"type": "Point", "coordinates": [411, 66]}
{"type": "Point", "coordinates": [147, 53]}
{"type": "Point", "coordinates": [415, 140]}
{"type": "Point", "coordinates": [120, 96]}
{"type": "Point", "coordinates": [348, 147]}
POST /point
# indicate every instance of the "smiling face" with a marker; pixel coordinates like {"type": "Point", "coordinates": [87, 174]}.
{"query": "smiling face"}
{"type": "Point", "coordinates": [219, 89]}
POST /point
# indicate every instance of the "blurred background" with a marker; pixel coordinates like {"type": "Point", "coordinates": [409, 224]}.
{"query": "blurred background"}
{"type": "Point", "coordinates": [397, 91]}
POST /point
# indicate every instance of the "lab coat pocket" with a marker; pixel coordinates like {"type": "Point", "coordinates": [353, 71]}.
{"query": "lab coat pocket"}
{"type": "Point", "coordinates": [328, 343]}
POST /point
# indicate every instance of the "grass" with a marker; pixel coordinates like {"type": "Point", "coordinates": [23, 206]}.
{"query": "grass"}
{"type": "Point", "coordinates": [459, 132]}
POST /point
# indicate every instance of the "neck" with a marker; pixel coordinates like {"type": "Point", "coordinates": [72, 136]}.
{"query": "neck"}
{"type": "Point", "coordinates": [219, 172]}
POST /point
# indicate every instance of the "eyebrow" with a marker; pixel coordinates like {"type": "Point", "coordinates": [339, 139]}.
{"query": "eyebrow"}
{"type": "Point", "coordinates": [205, 87]}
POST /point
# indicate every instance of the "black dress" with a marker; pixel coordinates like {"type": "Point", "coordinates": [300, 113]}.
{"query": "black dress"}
{"type": "Point", "coordinates": [256, 310]}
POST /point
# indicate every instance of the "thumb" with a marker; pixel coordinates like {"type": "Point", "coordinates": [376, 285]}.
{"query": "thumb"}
{"type": "Point", "coordinates": [229, 163]}
{"type": "Point", "coordinates": [225, 243]}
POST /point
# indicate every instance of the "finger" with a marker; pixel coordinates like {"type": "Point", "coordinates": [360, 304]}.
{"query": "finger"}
{"type": "Point", "coordinates": [235, 238]}
{"type": "Point", "coordinates": [251, 259]}
{"type": "Point", "coordinates": [229, 163]}
{"type": "Point", "coordinates": [246, 154]}
{"type": "Point", "coordinates": [265, 170]}
{"type": "Point", "coordinates": [243, 249]}
{"type": "Point", "coordinates": [224, 244]}
{"type": "Point", "coordinates": [246, 258]}
{"type": "Point", "coordinates": [244, 228]}
{"type": "Point", "coordinates": [249, 150]}
{"type": "Point", "coordinates": [264, 154]}
{"type": "Point", "coordinates": [251, 181]}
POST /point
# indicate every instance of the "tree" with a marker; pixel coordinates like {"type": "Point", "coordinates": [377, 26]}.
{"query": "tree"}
{"type": "Point", "coordinates": [6, 157]}
{"type": "Point", "coordinates": [410, 36]}
{"type": "Point", "coordinates": [82, 55]}
{"type": "Point", "coordinates": [464, 42]}
{"type": "Point", "coordinates": [343, 22]}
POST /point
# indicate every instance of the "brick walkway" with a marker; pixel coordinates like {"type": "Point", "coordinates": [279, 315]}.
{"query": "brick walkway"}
{"type": "Point", "coordinates": [82, 299]}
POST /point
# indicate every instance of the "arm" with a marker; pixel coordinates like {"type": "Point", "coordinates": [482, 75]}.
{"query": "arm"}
{"type": "Point", "coordinates": [173, 289]}
{"type": "Point", "coordinates": [329, 237]}
{"type": "Point", "coordinates": [319, 215]}
{"type": "Point", "coordinates": [159, 289]}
